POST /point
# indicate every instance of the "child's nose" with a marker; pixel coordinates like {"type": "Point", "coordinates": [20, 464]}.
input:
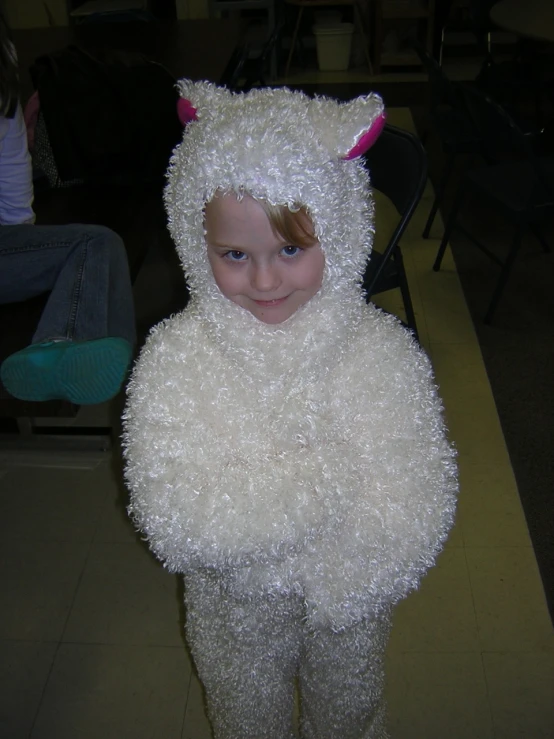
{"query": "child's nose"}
{"type": "Point", "coordinates": [266, 278]}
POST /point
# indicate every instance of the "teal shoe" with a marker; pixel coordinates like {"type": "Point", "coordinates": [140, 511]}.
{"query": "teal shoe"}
{"type": "Point", "coordinates": [82, 372]}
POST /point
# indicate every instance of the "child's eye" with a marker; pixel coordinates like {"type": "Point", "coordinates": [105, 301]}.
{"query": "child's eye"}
{"type": "Point", "coordinates": [235, 255]}
{"type": "Point", "coordinates": [291, 251]}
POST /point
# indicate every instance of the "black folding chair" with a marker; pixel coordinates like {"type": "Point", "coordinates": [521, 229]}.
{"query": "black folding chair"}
{"type": "Point", "coordinates": [450, 121]}
{"type": "Point", "coordinates": [234, 68]}
{"type": "Point", "coordinates": [472, 19]}
{"type": "Point", "coordinates": [258, 63]}
{"type": "Point", "coordinates": [519, 184]}
{"type": "Point", "coordinates": [397, 165]}
{"type": "Point", "coordinates": [248, 67]}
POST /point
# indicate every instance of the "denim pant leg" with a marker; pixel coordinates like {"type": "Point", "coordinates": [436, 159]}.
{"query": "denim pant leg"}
{"type": "Point", "coordinates": [85, 270]}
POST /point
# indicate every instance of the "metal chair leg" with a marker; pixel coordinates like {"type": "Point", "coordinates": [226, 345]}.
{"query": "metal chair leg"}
{"type": "Point", "coordinates": [405, 292]}
{"type": "Point", "coordinates": [441, 48]}
{"type": "Point", "coordinates": [504, 274]}
{"type": "Point", "coordinates": [439, 194]}
{"type": "Point", "coordinates": [359, 21]}
{"type": "Point", "coordinates": [540, 238]}
{"type": "Point", "coordinates": [294, 37]}
{"type": "Point", "coordinates": [449, 228]}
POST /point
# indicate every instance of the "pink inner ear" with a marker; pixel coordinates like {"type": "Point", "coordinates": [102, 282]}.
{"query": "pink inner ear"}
{"type": "Point", "coordinates": [367, 139]}
{"type": "Point", "coordinates": [186, 111]}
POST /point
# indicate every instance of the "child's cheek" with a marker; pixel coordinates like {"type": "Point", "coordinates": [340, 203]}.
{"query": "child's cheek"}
{"type": "Point", "coordinates": [226, 276]}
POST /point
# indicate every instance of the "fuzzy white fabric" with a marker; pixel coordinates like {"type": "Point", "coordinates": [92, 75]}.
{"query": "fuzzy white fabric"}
{"type": "Point", "coordinates": [307, 458]}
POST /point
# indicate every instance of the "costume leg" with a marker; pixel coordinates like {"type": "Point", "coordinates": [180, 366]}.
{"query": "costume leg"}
{"type": "Point", "coordinates": [83, 344]}
{"type": "Point", "coordinates": [246, 655]}
{"type": "Point", "coordinates": [342, 682]}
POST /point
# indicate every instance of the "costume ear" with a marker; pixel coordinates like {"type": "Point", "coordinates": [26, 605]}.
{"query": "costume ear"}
{"type": "Point", "coordinates": [348, 129]}
{"type": "Point", "coordinates": [368, 138]}
{"type": "Point", "coordinates": [186, 111]}
{"type": "Point", "coordinates": [198, 96]}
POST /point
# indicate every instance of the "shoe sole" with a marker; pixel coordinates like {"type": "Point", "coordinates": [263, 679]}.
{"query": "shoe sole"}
{"type": "Point", "coordinates": [85, 373]}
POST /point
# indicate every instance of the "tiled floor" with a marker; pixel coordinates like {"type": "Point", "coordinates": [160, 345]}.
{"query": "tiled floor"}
{"type": "Point", "coordinates": [91, 625]}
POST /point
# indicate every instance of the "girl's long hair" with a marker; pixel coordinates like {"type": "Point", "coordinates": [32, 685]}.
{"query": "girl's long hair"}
{"type": "Point", "coordinates": [9, 76]}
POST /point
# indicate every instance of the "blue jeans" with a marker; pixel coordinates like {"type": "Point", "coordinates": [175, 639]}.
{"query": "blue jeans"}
{"type": "Point", "coordinates": [85, 270]}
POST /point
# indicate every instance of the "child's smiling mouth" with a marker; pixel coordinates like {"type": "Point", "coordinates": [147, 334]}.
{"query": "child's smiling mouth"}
{"type": "Point", "coordinates": [271, 303]}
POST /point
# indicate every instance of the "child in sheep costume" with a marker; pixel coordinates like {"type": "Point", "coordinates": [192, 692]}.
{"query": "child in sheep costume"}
{"type": "Point", "coordinates": [295, 471]}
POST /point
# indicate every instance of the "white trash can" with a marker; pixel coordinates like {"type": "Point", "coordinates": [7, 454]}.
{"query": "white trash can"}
{"type": "Point", "coordinates": [334, 44]}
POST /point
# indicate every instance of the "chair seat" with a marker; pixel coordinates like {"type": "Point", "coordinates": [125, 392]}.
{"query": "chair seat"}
{"type": "Point", "coordinates": [515, 187]}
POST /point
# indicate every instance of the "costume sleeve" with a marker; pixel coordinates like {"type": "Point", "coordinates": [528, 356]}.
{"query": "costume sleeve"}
{"type": "Point", "coordinates": [16, 173]}
{"type": "Point", "coordinates": [402, 490]}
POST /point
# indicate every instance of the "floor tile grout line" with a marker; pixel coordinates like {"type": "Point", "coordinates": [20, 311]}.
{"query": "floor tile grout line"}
{"type": "Point", "coordinates": [183, 722]}
{"type": "Point", "coordinates": [60, 640]}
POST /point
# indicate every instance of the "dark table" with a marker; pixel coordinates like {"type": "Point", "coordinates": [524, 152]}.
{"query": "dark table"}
{"type": "Point", "coordinates": [197, 49]}
{"type": "Point", "coordinates": [530, 18]}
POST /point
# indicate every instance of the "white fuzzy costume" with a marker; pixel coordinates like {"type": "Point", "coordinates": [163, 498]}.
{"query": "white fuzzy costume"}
{"type": "Point", "coordinates": [297, 474]}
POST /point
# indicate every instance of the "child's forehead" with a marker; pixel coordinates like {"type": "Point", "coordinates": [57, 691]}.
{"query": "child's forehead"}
{"type": "Point", "coordinates": [229, 201]}
{"type": "Point", "coordinates": [229, 205]}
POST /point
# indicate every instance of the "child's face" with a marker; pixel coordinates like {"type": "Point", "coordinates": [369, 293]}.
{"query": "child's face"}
{"type": "Point", "coordinates": [254, 267]}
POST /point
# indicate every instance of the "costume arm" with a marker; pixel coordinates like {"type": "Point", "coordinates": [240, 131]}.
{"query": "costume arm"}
{"type": "Point", "coordinates": [401, 495]}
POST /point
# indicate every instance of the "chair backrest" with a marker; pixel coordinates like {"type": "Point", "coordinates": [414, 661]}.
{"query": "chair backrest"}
{"type": "Point", "coordinates": [233, 70]}
{"type": "Point", "coordinates": [397, 165]}
{"type": "Point", "coordinates": [441, 89]}
{"type": "Point", "coordinates": [501, 135]}
{"type": "Point", "coordinates": [257, 66]}
{"type": "Point", "coordinates": [498, 130]}
{"type": "Point", "coordinates": [479, 11]}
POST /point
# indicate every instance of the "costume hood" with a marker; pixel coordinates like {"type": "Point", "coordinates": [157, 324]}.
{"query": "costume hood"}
{"type": "Point", "coordinates": [285, 148]}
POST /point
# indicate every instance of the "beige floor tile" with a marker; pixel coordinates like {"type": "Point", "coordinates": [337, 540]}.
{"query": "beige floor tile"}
{"type": "Point", "coordinates": [476, 432]}
{"type": "Point", "coordinates": [39, 582]}
{"type": "Point", "coordinates": [424, 340]}
{"type": "Point", "coordinates": [448, 323]}
{"type": "Point", "coordinates": [196, 725]}
{"type": "Point", "coordinates": [521, 694]}
{"type": "Point", "coordinates": [126, 597]}
{"type": "Point", "coordinates": [414, 230]}
{"type": "Point", "coordinates": [460, 370]}
{"type": "Point", "coordinates": [489, 507]}
{"type": "Point", "coordinates": [58, 504]}
{"type": "Point", "coordinates": [391, 302]}
{"type": "Point", "coordinates": [114, 692]}
{"type": "Point", "coordinates": [423, 252]}
{"type": "Point", "coordinates": [439, 290]}
{"type": "Point", "coordinates": [440, 616]}
{"type": "Point", "coordinates": [509, 600]}
{"type": "Point", "coordinates": [44, 458]}
{"type": "Point", "coordinates": [437, 696]}
{"type": "Point", "coordinates": [442, 291]}
{"type": "Point", "coordinates": [471, 413]}
{"type": "Point", "coordinates": [437, 229]}
{"type": "Point", "coordinates": [24, 668]}
{"type": "Point", "coordinates": [114, 524]}
{"type": "Point", "coordinates": [456, 536]}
